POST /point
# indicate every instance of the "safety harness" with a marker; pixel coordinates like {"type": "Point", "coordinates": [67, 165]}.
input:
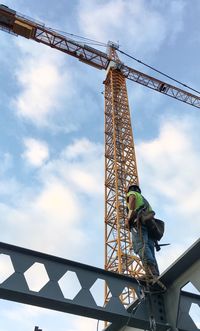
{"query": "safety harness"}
{"type": "Point", "coordinates": [143, 214]}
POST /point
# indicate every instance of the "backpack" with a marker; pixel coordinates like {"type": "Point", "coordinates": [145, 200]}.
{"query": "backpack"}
{"type": "Point", "coordinates": [155, 226]}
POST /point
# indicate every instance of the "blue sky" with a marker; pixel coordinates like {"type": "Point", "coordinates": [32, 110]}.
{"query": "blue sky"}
{"type": "Point", "coordinates": [52, 135]}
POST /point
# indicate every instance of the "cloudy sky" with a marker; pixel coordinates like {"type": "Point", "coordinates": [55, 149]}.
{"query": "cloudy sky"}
{"type": "Point", "coordinates": [52, 135]}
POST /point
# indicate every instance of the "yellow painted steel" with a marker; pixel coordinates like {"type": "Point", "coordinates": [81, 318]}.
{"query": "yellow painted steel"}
{"type": "Point", "coordinates": [120, 171]}
{"type": "Point", "coordinates": [23, 29]}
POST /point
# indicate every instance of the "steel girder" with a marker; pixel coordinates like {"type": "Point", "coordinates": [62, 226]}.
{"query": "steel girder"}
{"type": "Point", "coordinates": [16, 288]}
{"type": "Point", "coordinates": [170, 310]}
{"type": "Point", "coordinates": [175, 301]}
{"type": "Point", "coordinates": [178, 302]}
{"type": "Point", "coordinates": [185, 321]}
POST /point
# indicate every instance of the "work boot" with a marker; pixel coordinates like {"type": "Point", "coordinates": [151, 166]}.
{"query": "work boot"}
{"type": "Point", "coordinates": [152, 270]}
{"type": "Point", "coordinates": [148, 273]}
{"type": "Point", "coordinates": [143, 277]}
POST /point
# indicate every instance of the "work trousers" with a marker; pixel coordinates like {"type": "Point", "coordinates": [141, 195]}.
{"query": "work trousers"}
{"type": "Point", "coordinates": [143, 245]}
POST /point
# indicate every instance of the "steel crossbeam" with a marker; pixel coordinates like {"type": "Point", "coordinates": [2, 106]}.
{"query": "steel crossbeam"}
{"type": "Point", "coordinates": [175, 301]}
{"type": "Point", "coordinates": [175, 304]}
{"type": "Point", "coordinates": [178, 302]}
{"type": "Point", "coordinates": [16, 288]}
{"type": "Point", "coordinates": [184, 321]}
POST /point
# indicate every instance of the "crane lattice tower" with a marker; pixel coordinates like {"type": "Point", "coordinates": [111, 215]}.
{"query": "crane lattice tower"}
{"type": "Point", "coordinates": [120, 160]}
{"type": "Point", "coordinates": [120, 171]}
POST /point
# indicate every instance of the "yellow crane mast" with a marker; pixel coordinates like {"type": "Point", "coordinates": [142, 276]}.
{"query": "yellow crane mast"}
{"type": "Point", "coordinates": [120, 159]}
{"type": "Point", "coordinates": [120, 170]}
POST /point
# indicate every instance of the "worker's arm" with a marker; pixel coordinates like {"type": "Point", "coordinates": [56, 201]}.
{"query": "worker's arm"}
{"type": "Point", "coordinates": [131, 209]}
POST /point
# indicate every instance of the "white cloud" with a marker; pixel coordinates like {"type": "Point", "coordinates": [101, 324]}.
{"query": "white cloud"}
{"type": "Point", "coordinates": [176, 10]}
{"type": "Point", "coordinates": [59, 207]}
{"type": "Point", "coordinates": [168, 255]}
{"type": "Point", "coordinates": [49, 221]}
{"type": "Point", "coordinates": [9, 187]}
{"type": "Point", "coordinates": [86, 175]}
{"type": "Point", "coordinates": [86, 324]}
{"type": "Point", "coordinates": [57, 201]}
{"type": "Point", "coordinates": [169, 167]}
{"type": "Point", "coordinates": [6, 162]}
{"type": "Point", "coordinates": [38, 98]}
{"type": "Point", "coordinates": [81, 166]}
{"type": "Point", "coordinates": [6, 267]}
{"type": "Point", "coordinates": [36, 152]}
{"type": "Point", "coordinates": [117, 19]}
{"type": "Point", "coordinates": [40, 75]}
{"type": "Point", "coordinates": [25, 317]}
{"type": "Point", "coordinates": [82, 148]}
{"type": "Point", "coordinates": [86, 181]}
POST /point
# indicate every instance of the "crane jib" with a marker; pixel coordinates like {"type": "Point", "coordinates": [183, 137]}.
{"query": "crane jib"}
{"type": "Point", "coordinates": [160, 86]}
{"type": "Point", "coordinates": [18, 24]}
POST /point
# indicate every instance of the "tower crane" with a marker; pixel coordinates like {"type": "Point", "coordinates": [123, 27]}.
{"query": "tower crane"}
{"type": "Point", "coordinates": [120, 158]}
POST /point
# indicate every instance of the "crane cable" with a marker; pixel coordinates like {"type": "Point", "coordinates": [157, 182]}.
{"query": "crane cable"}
{"type": "Point", "coordinates": [160, 72]}
{"type": "Point", "coordinates": [85, 40]}
{"type": "Point", "coordinates": [93, 42]}
{"type": "Point", "coordinates": [98, 43]}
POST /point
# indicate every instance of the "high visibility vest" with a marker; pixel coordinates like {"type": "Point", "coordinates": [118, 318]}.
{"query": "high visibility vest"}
{"type": "Point", "coordinates": [140, 201]}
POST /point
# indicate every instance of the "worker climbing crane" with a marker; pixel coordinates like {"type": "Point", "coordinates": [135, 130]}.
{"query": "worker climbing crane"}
{"type": "Point", "coordinates": [120, 158]}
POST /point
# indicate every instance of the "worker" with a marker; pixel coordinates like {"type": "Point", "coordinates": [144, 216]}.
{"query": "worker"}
{"type": "Point", "coordinates": [139, 213]}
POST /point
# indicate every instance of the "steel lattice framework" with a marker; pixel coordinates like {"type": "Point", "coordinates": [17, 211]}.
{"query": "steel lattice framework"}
{"type": "Point", "coordinates": [18, 24]}
{"type": "Point", "coordinates": [120, 170]}
{"type": "Point", "coordinates": [120, 161]}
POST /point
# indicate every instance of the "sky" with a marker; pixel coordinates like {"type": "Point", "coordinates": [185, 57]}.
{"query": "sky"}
{"type": "Point", "coordinates": [52, 135]}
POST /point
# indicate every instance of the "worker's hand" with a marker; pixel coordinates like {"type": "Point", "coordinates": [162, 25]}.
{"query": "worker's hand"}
{"type": "Point", "coordinates": [127, 223]}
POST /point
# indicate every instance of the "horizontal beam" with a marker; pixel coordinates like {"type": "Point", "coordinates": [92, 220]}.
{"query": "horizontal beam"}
{"type": "Point", "coordinates": [159, 86]}
{"type": "Point", "coordinates": [21, 25]}
{"type": "Point", "coordinates": [51, 295]}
